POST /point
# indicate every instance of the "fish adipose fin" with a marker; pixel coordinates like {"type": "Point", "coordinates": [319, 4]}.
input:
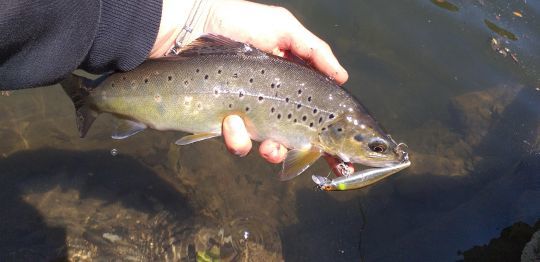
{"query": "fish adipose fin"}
{"type": "Point", "coordinates": [78, 89]}
{"type": "Point", "coordinates": [186, 140]}
{"type": "Point", "coordinates": [126, 128]}
{"type": "Point", "coordinates": [298, 161]}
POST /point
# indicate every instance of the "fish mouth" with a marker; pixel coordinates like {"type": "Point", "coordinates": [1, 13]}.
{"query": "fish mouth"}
{"type": "Point", "coordinates": [399, 150]}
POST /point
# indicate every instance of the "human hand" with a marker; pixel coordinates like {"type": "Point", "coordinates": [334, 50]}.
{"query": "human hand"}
{"type": "Point", "coordinates": [272, 29]}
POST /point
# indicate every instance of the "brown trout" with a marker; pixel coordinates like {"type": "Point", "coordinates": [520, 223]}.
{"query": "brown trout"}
{"type": "Point", "coordinates": [282, 100]}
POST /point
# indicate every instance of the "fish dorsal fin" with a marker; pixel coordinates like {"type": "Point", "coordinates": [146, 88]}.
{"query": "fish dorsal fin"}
{"type": "Point", "coordinates": [210, 44]}
{"type": "Point", "coordinates": [186, 140]}
{"type": "Point", "coordinates": [297, 161]}
{"type": "Point", "coordinates": [126, 128]}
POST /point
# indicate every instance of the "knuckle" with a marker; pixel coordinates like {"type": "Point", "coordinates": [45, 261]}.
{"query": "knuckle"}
{"type": "Point", "coordinates": [325, 46]}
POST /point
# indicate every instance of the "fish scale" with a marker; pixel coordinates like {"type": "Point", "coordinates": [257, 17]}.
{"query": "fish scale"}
{"type": "Point", "coordinates": [197, 97]}
{"type": "Point", "coordinates": [214, 77]}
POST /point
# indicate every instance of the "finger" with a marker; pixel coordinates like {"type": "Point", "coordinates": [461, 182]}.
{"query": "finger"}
{"type": "Point", "coordinates": [236, 136]}
{"type": "Point", "coordinates": [315, 51]}
{"type": "Point", "coordinates": [272, 151]}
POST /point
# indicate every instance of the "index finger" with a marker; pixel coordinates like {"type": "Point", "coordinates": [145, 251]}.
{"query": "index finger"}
{"type": "Point", "coordinates": [304, 44]}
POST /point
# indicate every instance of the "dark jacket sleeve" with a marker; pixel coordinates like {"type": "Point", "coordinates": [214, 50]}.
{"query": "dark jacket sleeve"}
{"type": "Point", "coordinates": [42, 41]}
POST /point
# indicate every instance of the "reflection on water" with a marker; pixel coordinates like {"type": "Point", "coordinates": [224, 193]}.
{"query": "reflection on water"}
{"type": "Point", "coordinates": [428, 70]}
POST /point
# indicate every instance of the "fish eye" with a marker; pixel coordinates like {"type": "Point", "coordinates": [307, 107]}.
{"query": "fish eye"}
{"type": "Point", "coordinates": [378, 145]}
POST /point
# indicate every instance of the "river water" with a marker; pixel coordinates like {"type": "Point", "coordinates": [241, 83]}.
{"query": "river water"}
{"type": "Point", "coordinates": [458, 81]}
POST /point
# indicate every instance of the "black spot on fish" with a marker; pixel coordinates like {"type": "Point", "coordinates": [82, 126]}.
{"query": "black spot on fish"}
{"type": "Point", "coordinates": [309, 99]}
{"type": "Point", "coordinates": [278, 116]}
{"type": "Point", "coordinates": [311, 124]}
{"type": "Point", "coordinates": [219, 71]}
{"type": "Point", "coordinates": [287, 99]}
{"type": "Point", "coordinates": [146, 80]}
{"type": "Point", "coordinates": [315, 111]}
{"type": "Point", "coordinates": [331, 116]}
{"type": "Point", "coordinates": [295, 120]}
{"type": "Point", "coordinates": [251, 80]}
{"type": "Point", "coordinates": [247, 108]}
{"type": "Point", "coordinates": [289, 116]}
{"type": "Point", "coordinates": [169, 78]}
{"type": "Point", "coordinates": [339, 129]}
{"type": "Point", "coordinates": [261, 98]}
{"type": "Point", "coordinates": [298, 106]}
{"type": "Point", "coordinates": [273, 85]}
{"type": "Point", "coordinates": [197, 70]}
{"type": "Point", "coordinates": [323, 129]}
{"type": "Point", "coordinates": [272, 110]}
{"type": "Point", "coordinates": [230, 105]}
{"type": "Point", "coordinates": [112, 85]}
{"type": "Point", "coordinates": [299, 91]}
{"type": "Point", "coordinates": [262, 72]}
{"type": "Point", "coordinates": [241, 94]}
{"type": "Point", "coordinates": [320, 119]}
{"type": "Point", "coordinates": [278, 85]}
{"type": "Point", "coordinates": [235, 75]}
{"type": "Point", "coordinates": [205, 77]}
{"type": "Point", "coordinates": [186, 82]}
{"type": "Point", "coordinates": [215, 92]}
{"type": "Point", "coordinates": [199, 105]}
{"type": "Point", "coordinates": [304, 118]}
{"type": "Point", "coordinates": [123, 78]}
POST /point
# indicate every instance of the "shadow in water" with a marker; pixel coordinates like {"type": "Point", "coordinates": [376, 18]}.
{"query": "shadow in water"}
{"type": "Point", "coordinates": [327, 230]}
{"type": "Point", "coordinates": [28, 178]}
{"type": "Point", "coordinates": [430, 217]}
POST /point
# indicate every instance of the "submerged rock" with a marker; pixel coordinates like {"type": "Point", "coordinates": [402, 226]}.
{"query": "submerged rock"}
{"type": "Point", "coordinates": [507, 247]}
{"type": "Point", "coordinates": [476, 112]}
{"type": "Point", "coordinates": [531, 252]}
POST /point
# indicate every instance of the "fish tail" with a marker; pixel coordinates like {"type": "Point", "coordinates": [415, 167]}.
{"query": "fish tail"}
{"type": "Point", "coordinates": [78, 89]}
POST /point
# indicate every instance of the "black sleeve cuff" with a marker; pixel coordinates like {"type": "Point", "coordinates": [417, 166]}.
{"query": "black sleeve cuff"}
{"type": "Point", "coordinates": [126, 33]}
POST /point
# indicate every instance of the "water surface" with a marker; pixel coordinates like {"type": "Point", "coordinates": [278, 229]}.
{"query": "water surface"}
{"type": "Point", "coordinates": [458, 81]}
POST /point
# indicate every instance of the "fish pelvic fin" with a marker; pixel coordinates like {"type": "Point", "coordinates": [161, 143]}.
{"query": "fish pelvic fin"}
{"type": "Point", "coordinates": [297, 161]}
{"type": "Point", "coordinates": [78, 89]}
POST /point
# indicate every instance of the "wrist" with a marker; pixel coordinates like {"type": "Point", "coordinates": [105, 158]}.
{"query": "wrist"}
{"type": "Point", "coordinates": [181, 19]}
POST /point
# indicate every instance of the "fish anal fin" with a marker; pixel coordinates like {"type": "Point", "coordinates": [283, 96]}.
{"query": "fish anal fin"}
{"type": "Point", "coordinates": [297, 161]}
{"type": "Point", "coordinates": [126, 128]}
{"type": "Point", "coordinates": [189, 139]}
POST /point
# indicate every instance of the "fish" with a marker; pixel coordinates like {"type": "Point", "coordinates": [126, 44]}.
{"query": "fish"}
{"type": "Point", "coordinates": [280, 99]}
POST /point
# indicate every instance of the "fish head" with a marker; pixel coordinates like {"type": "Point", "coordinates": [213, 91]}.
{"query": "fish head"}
{"type": "Point", "coordinates": [357, 138]}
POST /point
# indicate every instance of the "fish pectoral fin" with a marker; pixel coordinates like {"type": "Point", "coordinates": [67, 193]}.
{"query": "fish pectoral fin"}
{"type": "Point", "coordinates": [186, 140]}
{"type": "Point", "coordinates": [298, 161]}
{"type": "Point", "coordinates": [126, 128]}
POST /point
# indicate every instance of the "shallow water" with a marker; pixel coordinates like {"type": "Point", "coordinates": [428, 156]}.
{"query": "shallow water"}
{"type": "Point", "coordinates": [467, 106]}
